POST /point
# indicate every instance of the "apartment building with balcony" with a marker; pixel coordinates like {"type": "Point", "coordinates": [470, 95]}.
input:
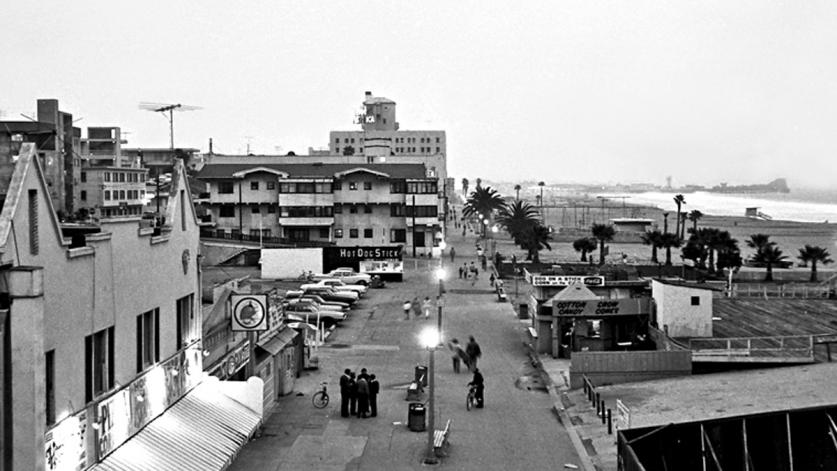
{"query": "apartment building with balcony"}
{"type": "Point", "coordinates": [339, 204]}
{"type": "Point", "coordinates": [101, 340]}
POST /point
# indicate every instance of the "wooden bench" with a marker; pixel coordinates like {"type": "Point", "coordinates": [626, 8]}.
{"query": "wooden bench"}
{"type": "Point", "coordinates": [440, 440]}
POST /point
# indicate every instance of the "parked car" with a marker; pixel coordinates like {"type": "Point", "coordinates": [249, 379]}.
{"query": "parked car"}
{"type": "Point", "coordinates": [348, 275]}
{"type": "Point", "coordinates": [302, 309]}
{"type": "Point", "coordinates": [329, 294]}
{"type": "Point", "coordinates": [338, 285]}
{"type": "Point", "coordinates": [332, 305]}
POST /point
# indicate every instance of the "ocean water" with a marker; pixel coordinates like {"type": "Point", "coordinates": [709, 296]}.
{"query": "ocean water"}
{"type": "Point", "coordinates": [800, 205]}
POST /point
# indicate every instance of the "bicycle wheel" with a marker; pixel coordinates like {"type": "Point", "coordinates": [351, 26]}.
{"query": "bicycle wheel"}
{"type": "Point", "coordinates": [320, 400]}
{"type": "Point", "coordinates": [469, 401]}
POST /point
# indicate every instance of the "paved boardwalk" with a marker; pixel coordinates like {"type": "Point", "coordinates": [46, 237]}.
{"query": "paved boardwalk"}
{"type": "Point", "coordinates": [516, 430]}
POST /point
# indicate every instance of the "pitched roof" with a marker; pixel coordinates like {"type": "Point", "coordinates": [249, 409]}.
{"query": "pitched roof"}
{"type": "Point", "coordinates": [313, 170]}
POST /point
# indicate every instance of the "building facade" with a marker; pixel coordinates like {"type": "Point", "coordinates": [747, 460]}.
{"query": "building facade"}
{"type": "Point", "coordinates": [99, 338]}
{"type": "Point", "coordinates": [342, 204]}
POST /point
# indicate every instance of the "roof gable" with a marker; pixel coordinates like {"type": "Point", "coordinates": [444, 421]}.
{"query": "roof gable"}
{"type": "Point", "coordinates": [346, 173]}
{"type": "Point", "coordinates": [575, 292]}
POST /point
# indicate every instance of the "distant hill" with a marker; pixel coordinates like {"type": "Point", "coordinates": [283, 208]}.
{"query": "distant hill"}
{"type": "Point", "coordinates": [779, 185]}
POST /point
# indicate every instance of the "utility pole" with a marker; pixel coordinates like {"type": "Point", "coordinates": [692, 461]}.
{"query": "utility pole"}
{"type": "Point", "coordinates": [414, 226]}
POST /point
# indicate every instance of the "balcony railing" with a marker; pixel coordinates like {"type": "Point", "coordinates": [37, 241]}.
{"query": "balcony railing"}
{"type": "Point", "coordinates": [264, 240]}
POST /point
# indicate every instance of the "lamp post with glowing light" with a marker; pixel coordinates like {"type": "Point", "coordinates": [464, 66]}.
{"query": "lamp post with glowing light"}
{"type": "Point", "coordinates": [431, 339]}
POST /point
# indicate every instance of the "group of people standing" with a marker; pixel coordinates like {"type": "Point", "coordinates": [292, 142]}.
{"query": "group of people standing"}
{"type": "Point", "coordinates": [418, 307]}
{"type": "Point", "coordinates": [359, 394]}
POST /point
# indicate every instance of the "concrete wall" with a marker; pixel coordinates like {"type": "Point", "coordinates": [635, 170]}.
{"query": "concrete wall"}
{"type": "Point", "coordinates": [626, 367]}
{"type": "Point", "coordinates": [289, 263]}
{"type": "Point", "coordinates": [675, 310]}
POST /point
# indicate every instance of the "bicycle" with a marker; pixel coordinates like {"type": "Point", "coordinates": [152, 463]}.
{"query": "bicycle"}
{"type": "Point", "coordinates": [306, 276]}
{"type": "Point", "coordinates": [471, 399]}
{"type": "Point", "coordinates": [320, 398]}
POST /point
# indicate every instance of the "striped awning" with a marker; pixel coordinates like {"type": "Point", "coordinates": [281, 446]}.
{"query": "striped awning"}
{"type": "Point", "coordinates": [202, 432]}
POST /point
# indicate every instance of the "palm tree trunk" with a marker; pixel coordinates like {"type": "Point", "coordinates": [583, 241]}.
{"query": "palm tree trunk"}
{"type": "Point", "coordinates": [654, 253]}
{"type": "Point", "coordinates": [813, 270]}
{"type": "Point", "coordinates": [769, 275]}
{"type": "Point", "coordinates": [583, 255]}
{"type": "Point", "coordinates": [601, 252]}
{"type": "Point", "coordinates": [668, 256]}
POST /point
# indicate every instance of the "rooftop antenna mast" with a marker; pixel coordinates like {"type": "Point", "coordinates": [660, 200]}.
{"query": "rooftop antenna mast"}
{"type": "Point", "coordinates": [169, 108]}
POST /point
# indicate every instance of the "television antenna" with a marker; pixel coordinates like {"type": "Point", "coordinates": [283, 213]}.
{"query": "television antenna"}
{"type": "Point", "coordinates": [168, 108]}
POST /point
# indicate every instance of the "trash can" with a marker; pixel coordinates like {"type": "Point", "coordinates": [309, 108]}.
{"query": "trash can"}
{"type": "Point", "coordinates": [416, 417]}
{"type": "Point", "coordinates": [421, 375]}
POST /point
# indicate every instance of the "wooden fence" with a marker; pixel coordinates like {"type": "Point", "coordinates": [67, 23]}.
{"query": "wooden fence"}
{"type": "Point", "coordinates": [789, 290]}
{"type": "Point", "coordinates": [624, 367]}
{"type": "Point", "coordinates": [782, 349]}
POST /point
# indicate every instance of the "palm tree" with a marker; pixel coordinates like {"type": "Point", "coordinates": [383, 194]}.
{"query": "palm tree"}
{"type": "Point", "coordinates": [517, 218]}
{"type": "Point", "coordinates": [585, 245]}
{"type": "Point", "coordinates": [534, 239]}
{"type": "Point", "coordinates": [604, 233]}
{"type": "Point", "coordinates": [465, 186]}
{"type": "Point", "coordinates": [479, 182]}
{"type": "Point", "coordinates": [667, 241]}
{"type": "Point", "coordinates": [665, 223]}
{"type": "Point", "coordinates": [679, 200]}
{"type": "Point", "coordinates": [517, 192]}
{"type": "Point", "coordinates": [759, 242]}
{"type": "Point", "coordinates": [814, 254]}
{"type": "Point", "coordinates": [770, 255]}
{"type": "Point", "coordinates": [683, 218]}
{"type": "Point", "coordinates": [483, 202]}
{"type": "Point", "coordinates": [540, 201]}
{"type": "Point", "coordinates": [694, 216]}
{"type": "Point", "coordinates": [652, 238]}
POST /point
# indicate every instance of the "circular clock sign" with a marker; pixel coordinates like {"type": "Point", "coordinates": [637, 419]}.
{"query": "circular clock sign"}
{"type": "Point", "coordinates": [249, 312]}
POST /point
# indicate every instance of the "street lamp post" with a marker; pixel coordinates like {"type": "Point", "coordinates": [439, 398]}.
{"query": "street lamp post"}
{"type": "Point", "coordinates": [431, 338]}
{"type": "Point", "coordinates": [440, 275]}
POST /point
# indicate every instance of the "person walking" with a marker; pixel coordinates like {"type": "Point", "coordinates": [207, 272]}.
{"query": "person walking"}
{"type": "Point", "coordinates": [344, 393]}
{"type": "Point", "coordinates": [461, 272]}
{"type": "Point", "coordinates": [426, 305]}
{"type": "Point", "coordinates": [465, 271]}
{"type": "Point", "coordinates": [362, 397]}
{"type": "Point", "coordinates": [491, 280]}
{"type": "Point", "coordinates": [457, 354]}
{"type": "Point", "coordinates": [407, 307]}
{"type": "Point", "coordinates": [479, 383]}
{"type": "Point", "coordinates": [416, 307]}
{"type": "Point", "coordinates": [452, 254]}
{"type": "Point", "coordinates": [474, 352]}
{"type": "Point", "coordinates": [374, 389]}
{"type": "Point", "coordinates": [352, 394]}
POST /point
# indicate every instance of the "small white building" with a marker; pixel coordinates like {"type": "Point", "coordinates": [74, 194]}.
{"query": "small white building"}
{"type": "Point", "coordinates": [683, 310]}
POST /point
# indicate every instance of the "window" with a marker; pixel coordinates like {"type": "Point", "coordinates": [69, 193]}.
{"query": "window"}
{"type": "Point", "coordinates": [398, 186]}
{"type": "Point", "coordinates": [305, 187]}
{"type": "Point", "coordinates": [83, 195]}
{"type": "Point", "coordinates": [422, 187]}
{"type": "Point", "coordinates": [336, 186]}
{"type": "Point", "coordinates": [367, 233]}
{"type": "Point", "coordinates": [323, 233]}
{"type": "Point", "coordinates": [271, 209]}
{"type": "Point", "coordinates": [337, 149]}
{"type": "Point", "coordinates": [98, 363]}
{"type": "Point", "coordinates": [186, 322]}
{"type": "Point", "coordinates": [122, 194]}
{"type": "Point", "coordinates": [107, 176]}
{"type": "Point", "coordinates": [271, 185]}
{"type": "Point", "coordinates": [254, 209]}
{"type": "Point", "coordinates": [438, 140]}
{"type": "Point", "coordinates": [148, 339]}
{"type": "Point", "coordinates": [367, 209]}
{"type": "Point", "coordinates": [254, 185]}
{"type": "Point", "coordinates": [83, 177]}
{"type": "Point", "coordinates": [422, 211]}
{"type": "Point", "coordinates": [352, 185]}
{"type": "Point", "coordinates": [367, 185]}
{"type": "Point", "coordinates": [107, 195]}
{"type": "Point", "coordinates": [306, 211]}
{"type": "Point", "coordinates": [397, 210]}
{"type": "Point", "coordinates": [438, 149]}
{"type": "Point", "coordinates": [353, 233]}
{"type": "Point", "coordinates": [226, 212]}
{"type": "Point", "coordinates": [695, 300]}
{"type": "Point", "coordinates": [353, 209]}
{"type": "Point", "coordinates": [338, 208]}
{"type": "Point", "coordinates": [398, 235]}
{"type": "Point", "coordinates": [49, 387]}
{"type": "Point", "coordinates": [338, 233]}
{"type": "Point", "coordinates": [225, 187]}
{"type": "Point", "coordinates": [34, 244]}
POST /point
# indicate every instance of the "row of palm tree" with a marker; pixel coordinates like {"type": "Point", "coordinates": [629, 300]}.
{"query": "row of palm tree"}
{"type": "Point", "coordinates": [710, 249]}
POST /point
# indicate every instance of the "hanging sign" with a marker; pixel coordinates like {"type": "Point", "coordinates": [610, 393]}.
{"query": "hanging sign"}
{"type": "Point", "coordinates": [249, 312]}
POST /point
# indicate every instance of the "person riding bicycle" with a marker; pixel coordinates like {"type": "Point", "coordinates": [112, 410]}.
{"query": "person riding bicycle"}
{"type": "Point", "coordinates": [478, 382]}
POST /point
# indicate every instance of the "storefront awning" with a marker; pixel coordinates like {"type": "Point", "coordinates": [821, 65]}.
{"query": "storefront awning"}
{"type": "Point", "coordinates": [201, 432]}
{"type": "Point", "coordinates": [276, 343]}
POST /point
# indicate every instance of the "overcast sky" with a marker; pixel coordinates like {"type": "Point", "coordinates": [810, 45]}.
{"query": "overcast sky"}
{"type": "Point", "coordinates": [630, 91]}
